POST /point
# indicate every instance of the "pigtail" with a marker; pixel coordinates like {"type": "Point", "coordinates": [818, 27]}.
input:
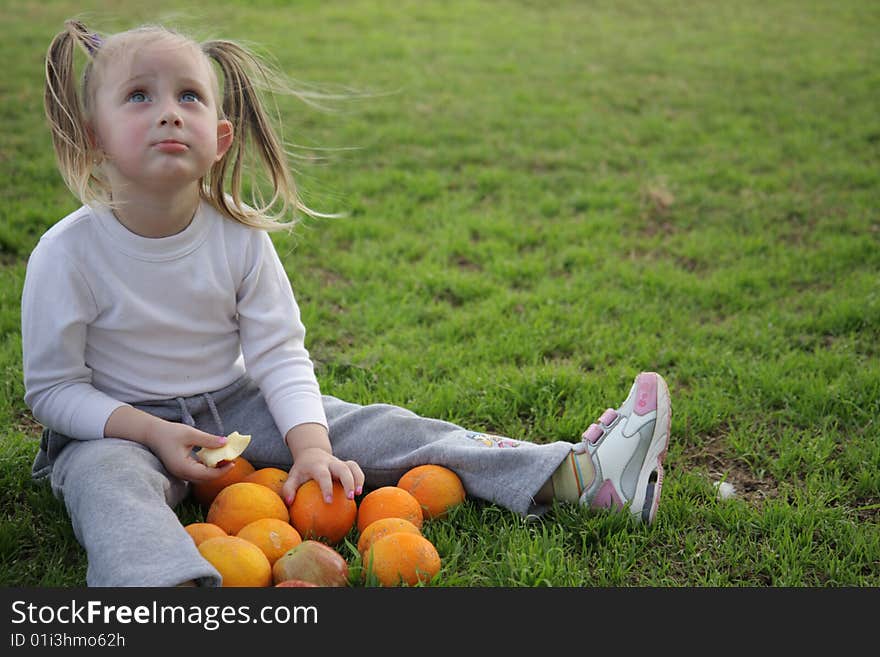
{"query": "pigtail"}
{"type": "Point", "coordinates": [65, 111]}
{"type": "Point", "coordinates": [243, 77]}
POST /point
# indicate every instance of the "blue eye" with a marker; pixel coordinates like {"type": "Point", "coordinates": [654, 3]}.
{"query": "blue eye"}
{"type": "Point", "coordinates": [137, 97]}
{"type": "Point", "coordinates": [189, 97]}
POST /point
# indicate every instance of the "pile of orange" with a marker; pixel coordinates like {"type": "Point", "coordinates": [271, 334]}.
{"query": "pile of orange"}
{"type": "Point", "coordinates": [390, 519]}
{"type": "Point", "coordinates": [248, 527]}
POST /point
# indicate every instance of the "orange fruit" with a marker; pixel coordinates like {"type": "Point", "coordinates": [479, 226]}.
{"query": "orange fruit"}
{"type": "Point", "coordinates": [239, 504]}
{"type": "Point", "coordinates": [382, 527]}
{"type": "Point", "coordinates": [201, 531]}
{"type": "Point", "coordinates": [274, 478]}
{"type": "Point", "coordinates": [206, 491]}
{"type": "Point", "coordinates": [240, 562]}
{"type": "Point", "coordinates": [403, 557]}
{"type": "Point", "coordinates": [389, 502]}
{"type": "Point", "coordinates": [273, 536]}
{"type": "Point", "coordinates": [315, 519]}
{"type": "Point", "coordinates": [437, 489]}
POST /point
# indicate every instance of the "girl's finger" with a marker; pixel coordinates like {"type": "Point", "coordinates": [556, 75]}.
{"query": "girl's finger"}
{"type": "Point", "coordinates": [289, 488]}
{"type": "Point", "coordinates": [358, 476]}
{"type": "Point", "coordinates": [210, 441]}
{"type": "Point", "coordinates": [343, 473]}
{"type": "Point", "coordinates": [325, 483]}
{"type": "Point", "coordinates": [195, 471]}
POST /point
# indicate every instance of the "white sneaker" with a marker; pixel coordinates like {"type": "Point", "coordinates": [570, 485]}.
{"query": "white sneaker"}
{"type": "Point", "coordinates": [627, 447]}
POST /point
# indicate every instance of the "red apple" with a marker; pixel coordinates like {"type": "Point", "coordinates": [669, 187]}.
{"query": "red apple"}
{"type": "Point", "coordinates": [295, 583]}
{"type": "Point", "coordinates": [312, 561]}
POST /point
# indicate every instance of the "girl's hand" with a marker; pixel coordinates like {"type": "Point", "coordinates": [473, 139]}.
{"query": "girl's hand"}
{"type": "Point", "coordinates": [320, 465]}
{"type": "Point", "coordinates": [171, 442]}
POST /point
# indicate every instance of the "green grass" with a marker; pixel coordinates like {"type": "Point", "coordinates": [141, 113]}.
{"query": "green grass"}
{"type": "Point", "coordinates": [543, 199]}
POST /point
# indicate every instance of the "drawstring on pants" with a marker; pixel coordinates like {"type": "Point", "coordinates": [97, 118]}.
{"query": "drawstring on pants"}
{"type": "Point", "coordinates": [187, 417]}
{"type": "Point", "coordinates": [210, 400]}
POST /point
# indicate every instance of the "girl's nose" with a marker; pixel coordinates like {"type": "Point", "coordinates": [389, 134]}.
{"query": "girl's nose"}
{"type": "Point", "coordinates": [170, 118]}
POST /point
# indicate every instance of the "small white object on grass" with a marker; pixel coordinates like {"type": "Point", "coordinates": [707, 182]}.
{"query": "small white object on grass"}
{"type": "Point", "coordinates": [724, 490]}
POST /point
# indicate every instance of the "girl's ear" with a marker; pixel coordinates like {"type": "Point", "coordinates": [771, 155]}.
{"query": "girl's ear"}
{"type": "Point", "coordinates": [94, 144]}
{"type": "Point", "coordinates": [225, 133]}
{"type": "Point", "coordinates": [92, 136]}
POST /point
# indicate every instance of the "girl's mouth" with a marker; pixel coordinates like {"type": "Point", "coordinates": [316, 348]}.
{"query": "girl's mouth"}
{"type": "Point", "coordinates": [171, 146]}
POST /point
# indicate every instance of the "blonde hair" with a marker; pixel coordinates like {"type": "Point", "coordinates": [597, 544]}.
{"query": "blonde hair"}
{"type": "Point", "coordinates": [256, 143]}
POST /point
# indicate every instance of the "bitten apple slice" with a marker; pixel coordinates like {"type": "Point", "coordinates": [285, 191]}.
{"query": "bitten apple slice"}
{"type": "Point", "coordinates": [235, 445]}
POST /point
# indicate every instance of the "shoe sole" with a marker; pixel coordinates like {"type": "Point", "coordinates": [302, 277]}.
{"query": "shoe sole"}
{"type": "Point", "coordinates": [650, 481]}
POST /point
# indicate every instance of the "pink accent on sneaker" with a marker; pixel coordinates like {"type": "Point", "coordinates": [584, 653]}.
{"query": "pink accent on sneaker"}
{"type": "Point", "coordinates": [593, 433]}
{"type": "Point", "coordinates": [646, 394]}
{"type": "Point", "coordinates": [606, 497]}
{"type": "Point", "coordinates": [608, 417]}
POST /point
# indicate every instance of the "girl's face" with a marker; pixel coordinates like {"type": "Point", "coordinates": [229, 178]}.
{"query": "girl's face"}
{"type": "Point", "coordinates": [155, 117]}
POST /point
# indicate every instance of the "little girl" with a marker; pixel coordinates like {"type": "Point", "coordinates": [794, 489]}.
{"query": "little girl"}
{"type": "Point", "coordinates": [158, 317]}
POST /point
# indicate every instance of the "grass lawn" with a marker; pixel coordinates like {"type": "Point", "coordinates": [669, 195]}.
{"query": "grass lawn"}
{"type": "Point", "coordinates": [543, 199]}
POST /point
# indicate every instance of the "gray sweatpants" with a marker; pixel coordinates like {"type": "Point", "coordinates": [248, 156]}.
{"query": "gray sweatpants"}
{"type": "Point", "coordinates": [120, 498]}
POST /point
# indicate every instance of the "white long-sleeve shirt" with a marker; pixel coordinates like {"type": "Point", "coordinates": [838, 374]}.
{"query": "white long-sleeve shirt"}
{"type": "Point", "coordinates": [111, 318]}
